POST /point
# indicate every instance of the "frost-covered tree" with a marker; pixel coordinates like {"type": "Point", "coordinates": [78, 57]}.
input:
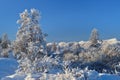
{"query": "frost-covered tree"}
{"type": "Point", "coordinates": [30, 42]}
{"type": "Point", "coordinates": [29, 35]}
{"type": "Point", "coordinates": [5, 41]}
{"type": "Point", "coordinates": [94, 37]}
{"type": "Point", "coordinates": [54, 47]}
{"type": "Point", "coordinates": [5, 45]}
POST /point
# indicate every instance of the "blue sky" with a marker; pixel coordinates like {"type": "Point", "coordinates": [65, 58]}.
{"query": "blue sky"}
{"type": "Point", "coordinates": [65, 20]}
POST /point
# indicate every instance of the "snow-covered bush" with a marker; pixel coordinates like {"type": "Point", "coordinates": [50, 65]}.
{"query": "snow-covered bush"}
{"type": "Point", "coordinates": [52, 48]}
{"type": "Point", "coordinates": [101, 58]}
{"type": "Point", "coordinates": [70, 57]}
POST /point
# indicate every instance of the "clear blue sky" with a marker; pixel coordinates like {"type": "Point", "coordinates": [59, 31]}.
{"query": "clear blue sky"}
{"type": "Point", "coordinates": [65, 20]}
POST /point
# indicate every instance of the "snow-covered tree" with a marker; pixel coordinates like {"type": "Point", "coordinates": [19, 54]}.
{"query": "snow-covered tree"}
{"type": "Point", "coordinates": [5, 41]}
{"type": "Point", "coordinates": [94, 37]}
{"type": "Point", "coordinates": [30, 42]}
{"type": "Point", "coordinates": [5, 45]}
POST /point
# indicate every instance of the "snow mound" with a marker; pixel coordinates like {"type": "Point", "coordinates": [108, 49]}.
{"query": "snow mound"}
{"type": "Point", "coordinates": [7, 66]}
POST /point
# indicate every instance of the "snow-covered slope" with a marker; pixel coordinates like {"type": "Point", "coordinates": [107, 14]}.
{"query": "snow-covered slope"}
{"type": "Point", "coordinates": [7, 66]}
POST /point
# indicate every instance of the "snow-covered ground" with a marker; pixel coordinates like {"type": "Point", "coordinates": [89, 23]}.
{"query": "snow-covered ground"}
{"type": "Point", "coordinates": [9, 66]}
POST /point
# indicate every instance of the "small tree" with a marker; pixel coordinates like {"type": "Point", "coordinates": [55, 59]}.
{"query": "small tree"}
{"type": "Point", "coordinates": [94, 37]}
{"type": "Point", "coordinates": [5, 42]}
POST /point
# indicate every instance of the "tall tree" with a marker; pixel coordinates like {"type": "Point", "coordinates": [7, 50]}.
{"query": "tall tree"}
{"type": "Point", "coordinates": [30, 42]}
